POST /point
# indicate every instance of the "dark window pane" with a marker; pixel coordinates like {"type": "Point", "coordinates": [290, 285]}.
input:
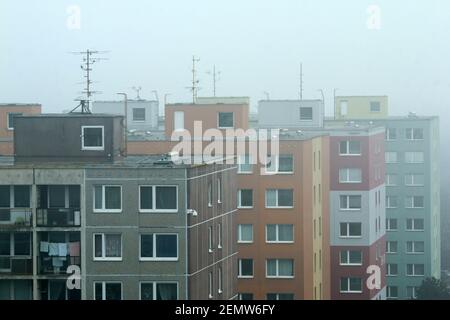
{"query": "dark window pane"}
{"type": "Point", "coordinates": [284, 198]}
{"type": "Point", "coordinates": [74, 196]}
{"type": "Point", "coordinates": [226, 119]}
{"type": "Point", "coordinates": [146, 198]}
{"type": "Point", "coordinates": [146, 291]}
{"type": "Point", "coordinates": [5, 244]}
{"type": "Point", "coordinates": [11, 119]}
{"type": "Point", "coordinates": [138, 114]}
{"type": "Point", "coordinates": [166, 198]}
{"type": "Point", "coordinates": [246, 198]}
{"type": "Point", "coordinates": [286, 163]}
{"type": "Point", "coordinates": [98, 291]}
{"type": "Point", "coordinates": [98, 195]}
{"type": "Point", "coordinates": [306, 113]}
{"type": "Point", "coordinates": [57, 290]}
{"type": "Point", "coordinates": [166, 291]}
{"type": "Point", "coordinates": [147, 246]}
{"type": "Point", "coordinates": [93, 137]}
{"type": "Point", "coordinates": [113, 291]}
{"type": "Point", "coordinates": [4, 197]}
{"type": "Point", "coordinates": [22, 196]}
{"type": "Point", "coordinates": [112, 198]}
{"type": "Point", "coordinates": [166, 246]}
{"type": "Point", "coordinates": [98, 245]}
{"type": "Point", "coordinates": [57, 196]}
{"type": "Point", "coordinates": [22, 244]}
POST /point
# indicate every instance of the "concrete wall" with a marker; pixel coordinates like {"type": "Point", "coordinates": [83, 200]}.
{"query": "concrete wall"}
{"type": "Point", "coordinates": [359, 107]}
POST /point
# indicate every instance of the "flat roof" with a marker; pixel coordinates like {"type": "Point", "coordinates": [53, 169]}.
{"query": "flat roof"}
{"type": "Point", "coordinates": [19, 104]}
{"type": "Point", "coordinates": [71, 115]}
{"type": "Point", "coordinates": [389, 118]}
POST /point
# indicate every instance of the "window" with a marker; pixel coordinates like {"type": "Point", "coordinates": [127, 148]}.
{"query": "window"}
{"type": "Point", "coordinates": [414, 134]}
{"type": "Point", "coordinates": [282, 163]}
{"type": "Point", "coordinates": [414, 180]}
{"type": "Point", "coordinates": [351, 285]}
{"type": "Point", "coordinates": [219, 236]}
{"type": "Point", "coordinates": [391, 134]}
{"type": "Point", "coordinates": [245, 268]}
{"type": "Point", "coordinates": [391, 180]}
{"type": "Point", "coordinates": [350, 148]}
{"type": "Point", "coordinates": [411, 292]}
{"type": "Point", "coordinates": [159, 247]}
{"type": "Point", "coordinates": [390, 157]}
{"type": "Point", "coordinates": [219, 280]}
{"type": "Point", "coordinates": [210, 239]}
{"type": "Point", "coordinates": [392, 292]}
{"type": "Point", "coordinates": [391, 246]}
{"type": "Point", "coordinates": [414, 225]}
{"type": "Point", "coordinates": [280, 296]}
{"type": "Point", "coordinates": [375, 106]}
{"type": "Point", "coordinates": [391, 202]}
{"type": "Point", "coordinates": [159, 291]}
{"type": "Point", "coordinates": [415, 270]}
{"type": "Point", "coordinates": [226, 120]}
{"type": "Point", "coordinates": [350, 258]}
{"type": "Point", "coordinates": [158, 199]}
{"type": "Point", "coordinates": [414, 157]}
{"type": "Point", "coordinates": [415, 247]}
{"type": "Point", "coordinates": [108, 290]}
{"type": "Point", "coordinates": [414, 202]}
{"type": "Point", "coordinates": [11, 116]}
{"type": "Point", "coordinates": [245, 296]}
{"type": "Point", "coordinates": [391, 224]}
{"type": "Point", "coordinates": [279, 268]}
{"type": "Point", "coordinates": [107, 247]}
{"type": "Point", "coordinates": [138, 114]}
{"type": "Point", "coordinates": [210, 285]}
{"type": "Point", "coordinates": [5, 196]}
{"type": "Point", "coordinates": [107, 199]}
{"type": "Point", "coordinates": [279, 233]}
{"type": "Point", "coordinates": [245, 164]}
{"type": "Point", "coordinates": [350, 202]}
{"type": "Point", "coordinates": [245, 198]}
{"type": "Point", "coordinates": [348, 175]}
{"type": "Point", "coordinates": [92, 138]}
{"type": "Point", "coordinates": [209, 194]}
{"type": "Point", "coordinates": [5, 244]}
{"type": "Point", "coordinates": [344, 108]}
{"type": "Point", "coordinates": [392, 269]}
{"type": "Point", "coordinates": [22, 244]}
{"type": "Point", "coordinates": [279, 198]}
{"type": "Point", "coordinates": [219, 191]}
{"type": "Point", "coordinates": [350, 230]}
{"type": "Point", "coordinates": [245, 233]}
{"type": "Point", "coordinates": [178, 119]}
{"type": "Point", "coordinates": [306, 113]}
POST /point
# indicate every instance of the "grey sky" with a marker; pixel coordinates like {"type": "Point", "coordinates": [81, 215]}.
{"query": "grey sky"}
{"type": "Point", "coordinates": [257, 44]}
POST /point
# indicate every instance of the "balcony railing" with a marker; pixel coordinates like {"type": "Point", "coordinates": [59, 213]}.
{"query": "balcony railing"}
{"type": "Point", "coordinates": [15, 217]}
{"type": "Point", "coordinates": [16, 265]}
{"type": "Point", "coordinates": [59, 217]}
{"type": "Point", "coordinates": [56, 265]}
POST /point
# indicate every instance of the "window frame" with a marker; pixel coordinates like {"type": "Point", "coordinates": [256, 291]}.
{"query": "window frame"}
{"type": "Point", "coordinates": [277, 276]}
{"type": "Point", "coordinates": [103, 209]}
{"type": "Point", "coordinates": [348, 202]}
{"type": "Point", "coordinates": [349, 286]}
{"type": "Point", "coordinates": [239, 235]}
{"type": "Point", "coordinates": [277, 206]}
{"type": "Point", "coordinates": [347, 147]}
{"type": "Point", "coordinates": [300, 114]}
{"type": "Point", "coordinates": [348, 181]}
{"type": "Point", "coordinates": [155, 210]}
{"type": "Point", "coordinates": [154, 258]}
{"type": "Point", "coordinates": [8, 120]}
{"type": "Point", "coordinates": [104, 283]}
{"type": "Point", "coordinates": [348, 263]}
{"type": "Point", "coordinates": [348, 236]}
{"type": "Point", "coordinates": [218, 120]}
{"type": "Point", "coordinates": [277, 233]}
{"type": "Point", "coordinates": [240, 276]}
{"type": "Point", "coordinates": [103, 257]}
{"type": "Point", "coordinates": [154, 285]}
{"type": "Point", "coordinates": [240, 206]}
{"type": "Point", "coordinates": [96, 148]}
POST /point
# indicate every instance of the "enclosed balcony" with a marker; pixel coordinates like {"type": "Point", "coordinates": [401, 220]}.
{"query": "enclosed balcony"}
{"type": "Point", "coordinates": [58, 206]}
{"type": "Point", "coordinates": [15, 253]}
{"type": "Point", "coordinates": [15, 209]}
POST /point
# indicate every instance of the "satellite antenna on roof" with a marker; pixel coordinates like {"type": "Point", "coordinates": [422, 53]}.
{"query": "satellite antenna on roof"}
{"type": "Point", "coordinates": [89, 58]}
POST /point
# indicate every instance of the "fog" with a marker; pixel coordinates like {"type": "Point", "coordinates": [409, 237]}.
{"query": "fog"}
{"type": "Point", "coordinates": [256, 44]}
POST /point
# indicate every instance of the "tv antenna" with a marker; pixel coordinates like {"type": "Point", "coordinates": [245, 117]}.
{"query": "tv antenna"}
{"type": "Point", "coordinates": [301, 81]}
{"type": "Point", "coordinates": [194, 87]}
{"type": "Point", "coordinates": [90, 57]}
{"type": "Point", "coordinates": [138, 91]}
{"type": "Point", "coordinates": [215, 77]}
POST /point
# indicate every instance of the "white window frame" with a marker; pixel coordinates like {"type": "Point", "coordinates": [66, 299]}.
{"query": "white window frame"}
{"type": "Point", "coordinates": [414, 156]}
{"type": "Point", "coordinates": [155, 210]}
{"type": "Point", "coordinates": [240, 276]}
{"type": "Point", "coordinates": [277, 233]}
{"type": "Point", "coordinates": [348, 202]}
{"type": "Point", "coordinates": [348, 285]}
{"type": "Point", "coordinates": [413, 225]}
{"type": "Point", "coordinates": [300, 114]}
{"type": "Point", "coordinates": [277, 276]}
{"type": "Point", "coordinates": [275, 161]}
{"type": "Point", "coordinates": [388, 270]}
{"type": "Point", "coordinates": [414, 184]}
{"type": "Point", "coordinates": [348, 181]}
{"type": "Point", "coordinates": [347, 252]}
{"type": "Point", "coordinates": [219, 190]}
{"type": "Point", "coordinates": [218, 120]}
{"type": "Point", "coordinates": [276, 200]}
{"type": "Point", "coordinates": [239, 160]}
{"type": "Point", "coordinates": [348, 154]}
{"type": "Point", "coordinates": [240, 206]}
{"type": "Point", "coordinates": [370, 107]}
{"type": "Point", "coordinates": [389, 249]}
{"type": "Point", "coordinates": [413, 202]}
{"type": "Point", "coordinates": [388, 224]}
{"type": "Point", "coordinates": [154, 247]}
{"type": "Point", "coordinates": [411, 138]}
{"type": "Point", "coordinates": [348, 236]}
{"type": "Point", "coordinates": [145, 114]}
{"type": "Point", "coordinates": [154, 283]}
{"type": "Point", "coordinates": [394, 154]}
{"type": "Point", "coordinates": [239, 239]}
{"type": "Point", "coordinates": [414, 270]}
{"type": "Point", "coordinates": [388, 202]}
{"type": "Point", "coordinates": [388, 292]}
{"type": "Point", "coordinates": [388, 138]}
{"type": "Point", "coordinates": [103, 257]}
{"type": "Point", "coordinates": [88, 148]}
{"type": "Point", "coordinates": [103, 209]}
{"type": "Point", "coordinates": [104, 283]}
{"type": "Point", "coordinates": [390, 177]}
{"type": "Point", "coordinates": [7, 119]}
{"type": "Point", "coordinates": [414, 252]}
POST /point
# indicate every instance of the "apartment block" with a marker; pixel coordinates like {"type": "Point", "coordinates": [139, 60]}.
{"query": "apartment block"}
{"type": "Point", "coordinates": [8, 112]}
{"type": "Point", "coordinates": [412, 197]}
{"type": "Point", "coordinates": [138, 227]}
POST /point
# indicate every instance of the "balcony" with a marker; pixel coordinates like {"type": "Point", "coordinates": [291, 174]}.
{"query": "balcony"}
{"type": "Point", "coordinates": [59, 217]}
{"type": "Point", "coordinates": [11, 218]}
{"type": "Point", "coordinates": [16, 265]}
{"type": "Point", "coordinates": [56, 265]}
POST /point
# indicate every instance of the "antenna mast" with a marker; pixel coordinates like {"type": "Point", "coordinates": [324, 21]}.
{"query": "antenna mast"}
{"type": "Point", "coordinates": [215, 76]}
{"type": "Point", "coordinates": [301, 81]}
{"type": "Point", "coordinates": [194, 88]}
{"type": "Point", "coordinates": [88, 60]}
{"type": "Point", "coordinates": [138, 91]}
